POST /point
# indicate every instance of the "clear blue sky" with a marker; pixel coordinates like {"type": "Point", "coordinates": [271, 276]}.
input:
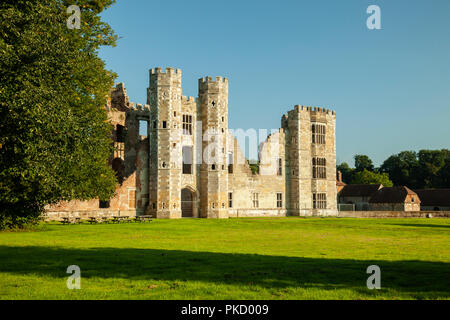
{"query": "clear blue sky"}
{"type": "Point", "coordinates": [390, 87]}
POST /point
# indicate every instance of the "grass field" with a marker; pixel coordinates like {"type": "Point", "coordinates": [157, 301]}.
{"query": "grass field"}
{"type": "Point", "coordinates": [285, 258]}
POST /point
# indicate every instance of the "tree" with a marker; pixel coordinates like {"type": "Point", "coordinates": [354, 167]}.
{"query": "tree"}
{"type": "Point", "coordinates": [369, 177]}
{"type": "Point", "coordinates": [347, 172]}
{"type": "Point", "coordinates": [431, 162]}
{"type": "Point", "coordinates": [444, 173]}
{"type": "Point", "coordinates": [403, 169]}
{"type": "Point", "coordinates": [363, 162]}
{"type": "Point", "coordinates": [54, 133]}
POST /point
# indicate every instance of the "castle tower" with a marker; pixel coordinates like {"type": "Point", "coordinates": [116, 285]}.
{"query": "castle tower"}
{"type": "Point", "coordinates": [311, 167]}
{"type": "Point", "coordinates": [164, 98]}
{"type": "Point", "coordinates": [213, 111]}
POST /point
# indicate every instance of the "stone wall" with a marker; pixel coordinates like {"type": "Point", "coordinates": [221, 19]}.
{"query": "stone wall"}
{"type": "Point", "coordinates": [393, 214]}
{"type": "Point", "coordinates": [86, 214]}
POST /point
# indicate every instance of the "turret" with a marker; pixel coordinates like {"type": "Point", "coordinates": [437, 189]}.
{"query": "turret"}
{"type": "Point", "coordinates": [164, 98]}
{"type": "Point", "coordinates": [213, 106]}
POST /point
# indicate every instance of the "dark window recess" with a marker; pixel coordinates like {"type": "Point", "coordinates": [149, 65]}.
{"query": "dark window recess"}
{"type": "Point", "coordinates": [279, 200]}
{"type": "Point", "coordinates": [103, 204]}
{"type": "Point", "coordinates": [164, 124]}
{"type": "Point", "coordinates": [120, 133]}
{"type": "Point", "coordinates": [280, 167]}
{"type": "Point", "coordinates": [213, 167]}
{"type": "Point", "coordinates": [230, 163]}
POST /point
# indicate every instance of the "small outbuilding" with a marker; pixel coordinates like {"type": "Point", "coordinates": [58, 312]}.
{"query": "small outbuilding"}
{"type": "Point", "coordinates": [358, 195]}
{"type": "Point", "coordinates": [395, 199]}
{"type": "Point", "coordinates": [434, 199]}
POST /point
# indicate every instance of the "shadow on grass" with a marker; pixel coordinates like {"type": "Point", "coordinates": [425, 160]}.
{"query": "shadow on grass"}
{"type": "Point", "coordinates": [418, 278]}
{"type": "Point", "coordinates": [421, 225]}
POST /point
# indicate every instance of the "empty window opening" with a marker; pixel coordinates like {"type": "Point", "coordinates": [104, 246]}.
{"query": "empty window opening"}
{"type": "Point", "coordinates": [104, 204]}
{"type": "Point", "coordinates": [187, 124]}
{"type": "Point", "coordinates": [143, 129]}
{"type": "Point", "coordinates": [119, 168]}
{"type": "Point", "coordinates": [230, 163]}
{"type": "Point", "coordinates": [187, 160]}
{"type": "Point", "coordinates": [230, 199]}
{"type": "Point", "coordinates": [280, 167]}
{"type": "Point", "coordinates": [120, 133]}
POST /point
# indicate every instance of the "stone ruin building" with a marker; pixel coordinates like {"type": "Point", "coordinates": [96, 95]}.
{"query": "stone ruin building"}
{"type": "Point", "coordinates": [166, 174]}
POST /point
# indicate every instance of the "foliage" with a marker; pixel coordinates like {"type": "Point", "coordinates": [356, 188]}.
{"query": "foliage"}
{"type": "Point", "coordinates": [254, 166]}
{"type": "Point", "coordinates": [54, 133]}
{"type": "Point", "coordinates": [416, 170]}
{"type": "Point", "coordinates": [347, 172]}
{"type": "Point", "coordinates": [425, 169]}
{"type": "Point", "coordinates": [402, 168]}
{"type": "Point", "coordinates": [369, 177]}
{"type": "Point", "coordinates": [363, 162]}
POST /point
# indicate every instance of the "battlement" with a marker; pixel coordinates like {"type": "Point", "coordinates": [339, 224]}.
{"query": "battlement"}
{"type": "Point", "coordinates": [169, 70]}
{"type": "Point", "coordinates": [299, 108]}
{"type": "Point", "coordinates": [188, 99]}
{"type": "Point", "coordinates": [210, 80]}
{"type": "Point", "coordinates": [140, 109]}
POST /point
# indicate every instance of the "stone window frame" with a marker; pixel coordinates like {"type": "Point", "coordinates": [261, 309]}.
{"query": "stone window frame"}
{"type": "Point", "coordinates": [230, 163]}
{"type": "Point", "coordinates": [319, 200]}
{"type": "Point", "coordinates": [279, 200]}
{"type": "Point", "coordinates": [280, 167]}
{"type": "Point", "coordinates": [318, 133]}
{"type": "Point", "coordinates": [319, 168]}
{"type": "Point", "coordinates": [187, 168]}
{"type": "Point", "coordinates": [187, 124]}
{"type": "Point", "coordinates": [255, 199]}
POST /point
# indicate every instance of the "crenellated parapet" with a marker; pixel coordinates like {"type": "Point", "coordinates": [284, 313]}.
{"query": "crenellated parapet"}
{"type": "Point", "coordinates": [169, 77]}
{"type": "Point", "coordinates": [208, 84]}
{"type": "Point", "coordinates": [185, 99]}
{"type": "Point", "coordinates": [299, 108]}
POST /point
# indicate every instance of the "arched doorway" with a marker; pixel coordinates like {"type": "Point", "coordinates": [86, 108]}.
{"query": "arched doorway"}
{"type": "Point", "coordinates": [187, 203]}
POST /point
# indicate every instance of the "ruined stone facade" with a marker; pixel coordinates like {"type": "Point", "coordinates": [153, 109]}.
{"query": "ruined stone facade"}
{"type": "Point", "coordinates": [189, 163]}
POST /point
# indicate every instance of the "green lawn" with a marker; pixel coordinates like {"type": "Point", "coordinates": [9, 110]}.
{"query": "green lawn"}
{"type": "Point", "coordinates": [286, 258]}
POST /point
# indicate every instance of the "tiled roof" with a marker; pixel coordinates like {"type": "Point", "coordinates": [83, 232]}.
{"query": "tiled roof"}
{"type": "Point", "coordinates": [340, 183]}
{"type": "Point", "coordinates": [391, 195]}
{"type": "Point", "coordinates": [360, 190]}
{"type": "Point", "coordinates": [434, 197]}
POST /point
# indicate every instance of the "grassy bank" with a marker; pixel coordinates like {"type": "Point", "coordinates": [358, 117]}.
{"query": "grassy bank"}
{"type": "Point", "coordinates": [287, 258]}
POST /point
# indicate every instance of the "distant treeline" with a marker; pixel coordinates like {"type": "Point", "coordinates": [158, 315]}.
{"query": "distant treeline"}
{"type": "Point", "coordinates": [416, 170]}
